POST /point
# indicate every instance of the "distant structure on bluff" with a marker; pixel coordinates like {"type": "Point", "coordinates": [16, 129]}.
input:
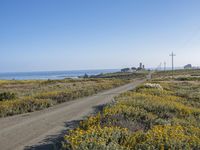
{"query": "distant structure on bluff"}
{"type": "Point", "coordinates": [188, 66]}
{"type": "Point", "coordinates": [141, 67]}
{"type": "Point", "coordinates": [134, 69]}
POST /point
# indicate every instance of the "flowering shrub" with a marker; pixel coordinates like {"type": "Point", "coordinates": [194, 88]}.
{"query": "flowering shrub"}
{"type": "Point", "coordinates": [170, 137]}
{"type": "Point", "coordinates": [153, 85]}
{"type": "Point", "coordinates": [97, 138]}
{"type": "Point", "coordinates": [149, 117]}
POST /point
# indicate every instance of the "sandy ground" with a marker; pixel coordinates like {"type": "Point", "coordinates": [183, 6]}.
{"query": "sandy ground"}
{"type": "Point", "coordinates": [43, 129]}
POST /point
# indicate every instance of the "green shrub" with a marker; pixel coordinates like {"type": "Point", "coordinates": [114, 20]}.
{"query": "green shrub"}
{"type": "Point", "coordinates": [7, 96]}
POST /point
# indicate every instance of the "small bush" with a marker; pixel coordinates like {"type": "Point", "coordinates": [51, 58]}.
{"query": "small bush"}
{"type": "Point", "coordinates": [96, 138]}
{"type": "Point", "coordinates": [18, 106]}
{"type": "Point", "coordinates": [7, 96]}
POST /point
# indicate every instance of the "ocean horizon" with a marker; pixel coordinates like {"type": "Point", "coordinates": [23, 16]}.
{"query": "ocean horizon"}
{"type": "Point", "coordinates": [53, 75]}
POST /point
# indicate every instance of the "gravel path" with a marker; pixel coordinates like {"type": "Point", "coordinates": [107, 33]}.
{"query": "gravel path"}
{"type": "Point", "coordinates": [42, 127]}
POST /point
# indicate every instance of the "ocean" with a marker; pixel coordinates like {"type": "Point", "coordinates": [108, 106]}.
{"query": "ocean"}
{"type": "Point", "coordinates": [44, 75]}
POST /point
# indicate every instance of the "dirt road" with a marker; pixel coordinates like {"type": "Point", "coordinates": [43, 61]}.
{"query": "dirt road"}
{"type": "Point", "coordinates": [21, 131]}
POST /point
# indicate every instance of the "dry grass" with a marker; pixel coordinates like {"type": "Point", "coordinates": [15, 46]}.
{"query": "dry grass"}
{"type": "Point", "coordinates": [26, 96]}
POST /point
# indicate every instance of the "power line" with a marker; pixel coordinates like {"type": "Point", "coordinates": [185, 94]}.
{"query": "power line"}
{"type": "Point", "coordinates": [172, 55]}
{"type": "Point", "coordinates": [191, 38]}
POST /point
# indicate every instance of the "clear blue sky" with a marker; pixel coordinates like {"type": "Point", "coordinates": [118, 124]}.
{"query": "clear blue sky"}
{"type": "Point", "coordinates": [38, 35]}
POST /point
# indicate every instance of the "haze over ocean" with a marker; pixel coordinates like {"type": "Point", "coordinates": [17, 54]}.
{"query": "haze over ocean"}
{"type": "Point", "coordinates": [42, 75]}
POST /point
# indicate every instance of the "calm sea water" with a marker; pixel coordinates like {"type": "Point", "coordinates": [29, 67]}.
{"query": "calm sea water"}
{"type": "Point", "coordinates": [51, 74]}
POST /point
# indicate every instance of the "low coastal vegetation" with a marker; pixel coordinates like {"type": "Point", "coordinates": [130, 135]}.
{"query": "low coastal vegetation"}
{"type": "Point", "coordinates": [159, 114]}
{"type": "Point", "coordinates": [123, 75]}
{"type": "Point", "coordinates": [18, 97]}
{"type": "Point", "coordinates": [182, 73]}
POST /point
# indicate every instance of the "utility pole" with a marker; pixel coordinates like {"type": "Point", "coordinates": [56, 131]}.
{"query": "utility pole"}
{"type": "Point", "coordinates": [164, 66]}
{"type": "Point", "coordinates": [160, 66]}
{"type": "Point", "coordinates": [172, 55]}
